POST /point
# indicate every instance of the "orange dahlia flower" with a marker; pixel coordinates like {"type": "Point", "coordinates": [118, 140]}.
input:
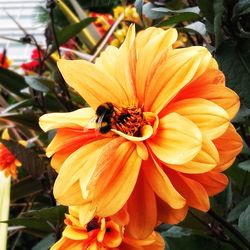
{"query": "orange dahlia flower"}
{"type": "Point", "coordinates": [161, 135]}
{"type": "Point", "coordinates": [8, 162]}
{"type": "Point", "coordinates": [101, 234]}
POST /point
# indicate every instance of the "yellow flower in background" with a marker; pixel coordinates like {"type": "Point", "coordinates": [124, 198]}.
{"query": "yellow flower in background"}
{"type": "Point", "coordinates": [160, 136]}
{"type": "Point", "coordinates": [8, 162]}
{"type": "Point", "coordinates": [181, 41]}
{"type": "Point", "coordinates": [130, 15]}
{"type": "Point", "coordinates": [101, 233]}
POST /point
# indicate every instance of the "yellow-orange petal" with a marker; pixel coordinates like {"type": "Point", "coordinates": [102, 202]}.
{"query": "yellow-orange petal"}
{"type": "Point", "coordinates": [5, 135]}
{"type": "Point", "coordinates": [142, 210]}
{"type": "Point", "coordinates": [68, 138]}
{"type": "Point", "coordinates": [143, 37]}
{"type": "Point", "coordinates": [72, 219]}
{"type": "Point", "coordinates": [86, 213]}
{"type": "Point", "coordinates": [181, 69]}
{"type": "Point", "coordinates": [194, 193]}
{"type": "Point", "coordinates": [80, 164]}
{"type": "Point", "coordinates": [146, 132]}
{"type": "Point", "coordinates": [65, 243]}
{"type": "Point", "coordinates": [153, 242]}
{"type": "Point", "coordinates": [204, 161]}
{"type": "Point", "coordinates": [177, 141]}
{"type": "Point", "coordinates": [158, 244]}
{"type": "Point", "coordinates": [58, 158]}
{"type": "Point", "coordinates": [168, 215]}
{"type": "Point", "coordinates": [142, 150]}
{"type": "Point", "coordinates": [102, 164]}
{"type": "Point", "coordinates": [72, 197]}
{"type": "Point", "coordinates": [211, 119]}
{"type": "Point", "coordinates": [94, 88]}
{"type": "Point", "coordinates": [107, 59]}
{"type": "Point", "coordinates": [112, 237]}
{"type": "Point", "coordinates": [74, 234]}
{"type": "Point", "coordinates": [74, 119]}
{"type": "Point", "coordinates": [115, 179]}
{"type": "Point", "coordinates": [229, 145]}
{"type": "Point", "coordinates": [212, 181]}
{"type": "Point", "coordinates": [124, 66]}
{"type": "Point", "coordinates": [151, 56]}
{"type": "Point", "coordinates": [210, 86]}
{"type": "Point", "coordinates": [93, 167]}
{"type": "Point", "coordinates": [121, 217]}
{"type": "Point", "coordinates": [119, 63]}
{"type": "Point", "coordinates": [161, 184]}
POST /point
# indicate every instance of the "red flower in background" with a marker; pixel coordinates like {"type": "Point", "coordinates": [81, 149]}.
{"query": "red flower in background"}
{"type": "Point", "coordinates": [33, 65]}
{"type": "Point", "coordinates": [4, 61]}
{"type": "Point", "coordinates": [103, 22]}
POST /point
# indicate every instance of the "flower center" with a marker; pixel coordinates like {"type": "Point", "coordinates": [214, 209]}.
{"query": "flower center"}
{"type": "Point", "coordinates": [128, 120]}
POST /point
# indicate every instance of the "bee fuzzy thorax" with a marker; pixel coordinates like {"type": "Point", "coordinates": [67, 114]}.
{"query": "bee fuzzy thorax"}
{"type": "Point", "coordinates": [128, 120]}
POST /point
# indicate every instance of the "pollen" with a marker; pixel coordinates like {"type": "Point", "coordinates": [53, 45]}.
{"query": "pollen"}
{"type": "Point", "coordinates": [128, 120]}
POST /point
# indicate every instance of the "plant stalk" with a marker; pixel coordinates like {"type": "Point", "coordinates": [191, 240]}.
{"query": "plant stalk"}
{"type": "Point", "coordinates": [4, 208]}
{"type": "Point", "coordinates": [231, 228]}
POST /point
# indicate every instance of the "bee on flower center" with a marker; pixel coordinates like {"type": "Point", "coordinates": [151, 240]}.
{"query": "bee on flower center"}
{"type": "Point", "coordinates": [128, 120]}
{"type": "Point", "coordinates": [104, 115]}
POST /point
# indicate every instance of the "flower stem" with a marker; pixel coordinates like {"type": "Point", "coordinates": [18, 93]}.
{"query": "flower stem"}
{"type": "Point", "coordinates": [4, 208]}
{"type": "Point", "coordinates": [231, 228]}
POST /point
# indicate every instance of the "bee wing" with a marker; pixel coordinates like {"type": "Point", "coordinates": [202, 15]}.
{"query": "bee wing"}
{"type": "Point", "coordinates": [99, 120]}
{"type": "Point", "coordinates": [91, 124]}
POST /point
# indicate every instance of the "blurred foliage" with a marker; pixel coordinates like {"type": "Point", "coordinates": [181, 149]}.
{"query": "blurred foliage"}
{"type": "Point", "coordinates": [223, 26]}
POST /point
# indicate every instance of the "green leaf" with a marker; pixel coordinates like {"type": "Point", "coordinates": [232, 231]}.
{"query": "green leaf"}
{"type": "Point", "coordinates": [52, 214]}
{"type": "Point", "coordinates": [207, 9]}
{"type": "Point", "coordinates": [12, 82]}
{"type": "Point", "coordinates": [245, 149]}
{"type": "Point", "coordinates": [139, 6]}
{"type": "Point", "coordinates": [41, 221]}
{"type": "Point", "coordinates": [27, 119]}
{"type": "Point", "coordinates": [240, 18]}
{"type": "Point", "coordinates": [148, 11]}
{"type": "Point", "coordinates": [225, 198]}
{"type": "Point", "coordinates": [242, 115]}
{"type": "Point", "coordinates": [24, 188]}
{"type": "Point", "coordinates": [39, 83]}
{"type": "Point", "coordinates": [193, 218]}
{"type": "Point", "coordinates": [152, 12]}
{"type": "Point", "coordinates": [51, 103]}
{"type": "Point", "coordinates": [197, 242]}
{"type": "Point", "coordinates": [31, 162]}
{"type": "Point", "coordinates": [179, 18]}
{"type": "Point", "coordinates": [18, 105]}
{"type": "Point", "coordinates": [37, 225]}
{"type": "Point", "coordinates": [198, 27]}
{"type": "Point", "coordinates": [195, 10]}
{"type": "Point", "coordinates": [245, 165]}
{"type": "Point", "coordinates": [45, 243]}
{"type": "Point", "coordinates": [70, 31]}
{"type": "Point", "coordinates": [237, 175]}
{"type": "Point", "coordinates": [234, 60]}
{"type": "Point", "coordinates": [218, 15]}
{"type": "Point", "coordinates": [236, 211]}
{"type": "Point", "coordinates": [244, 223]}
{"type": "Point", "coordinates": [177, 232]}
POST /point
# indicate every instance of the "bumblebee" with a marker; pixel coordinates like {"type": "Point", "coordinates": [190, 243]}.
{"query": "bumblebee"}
{"type": "Point", "coordinates": [104, 115]}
